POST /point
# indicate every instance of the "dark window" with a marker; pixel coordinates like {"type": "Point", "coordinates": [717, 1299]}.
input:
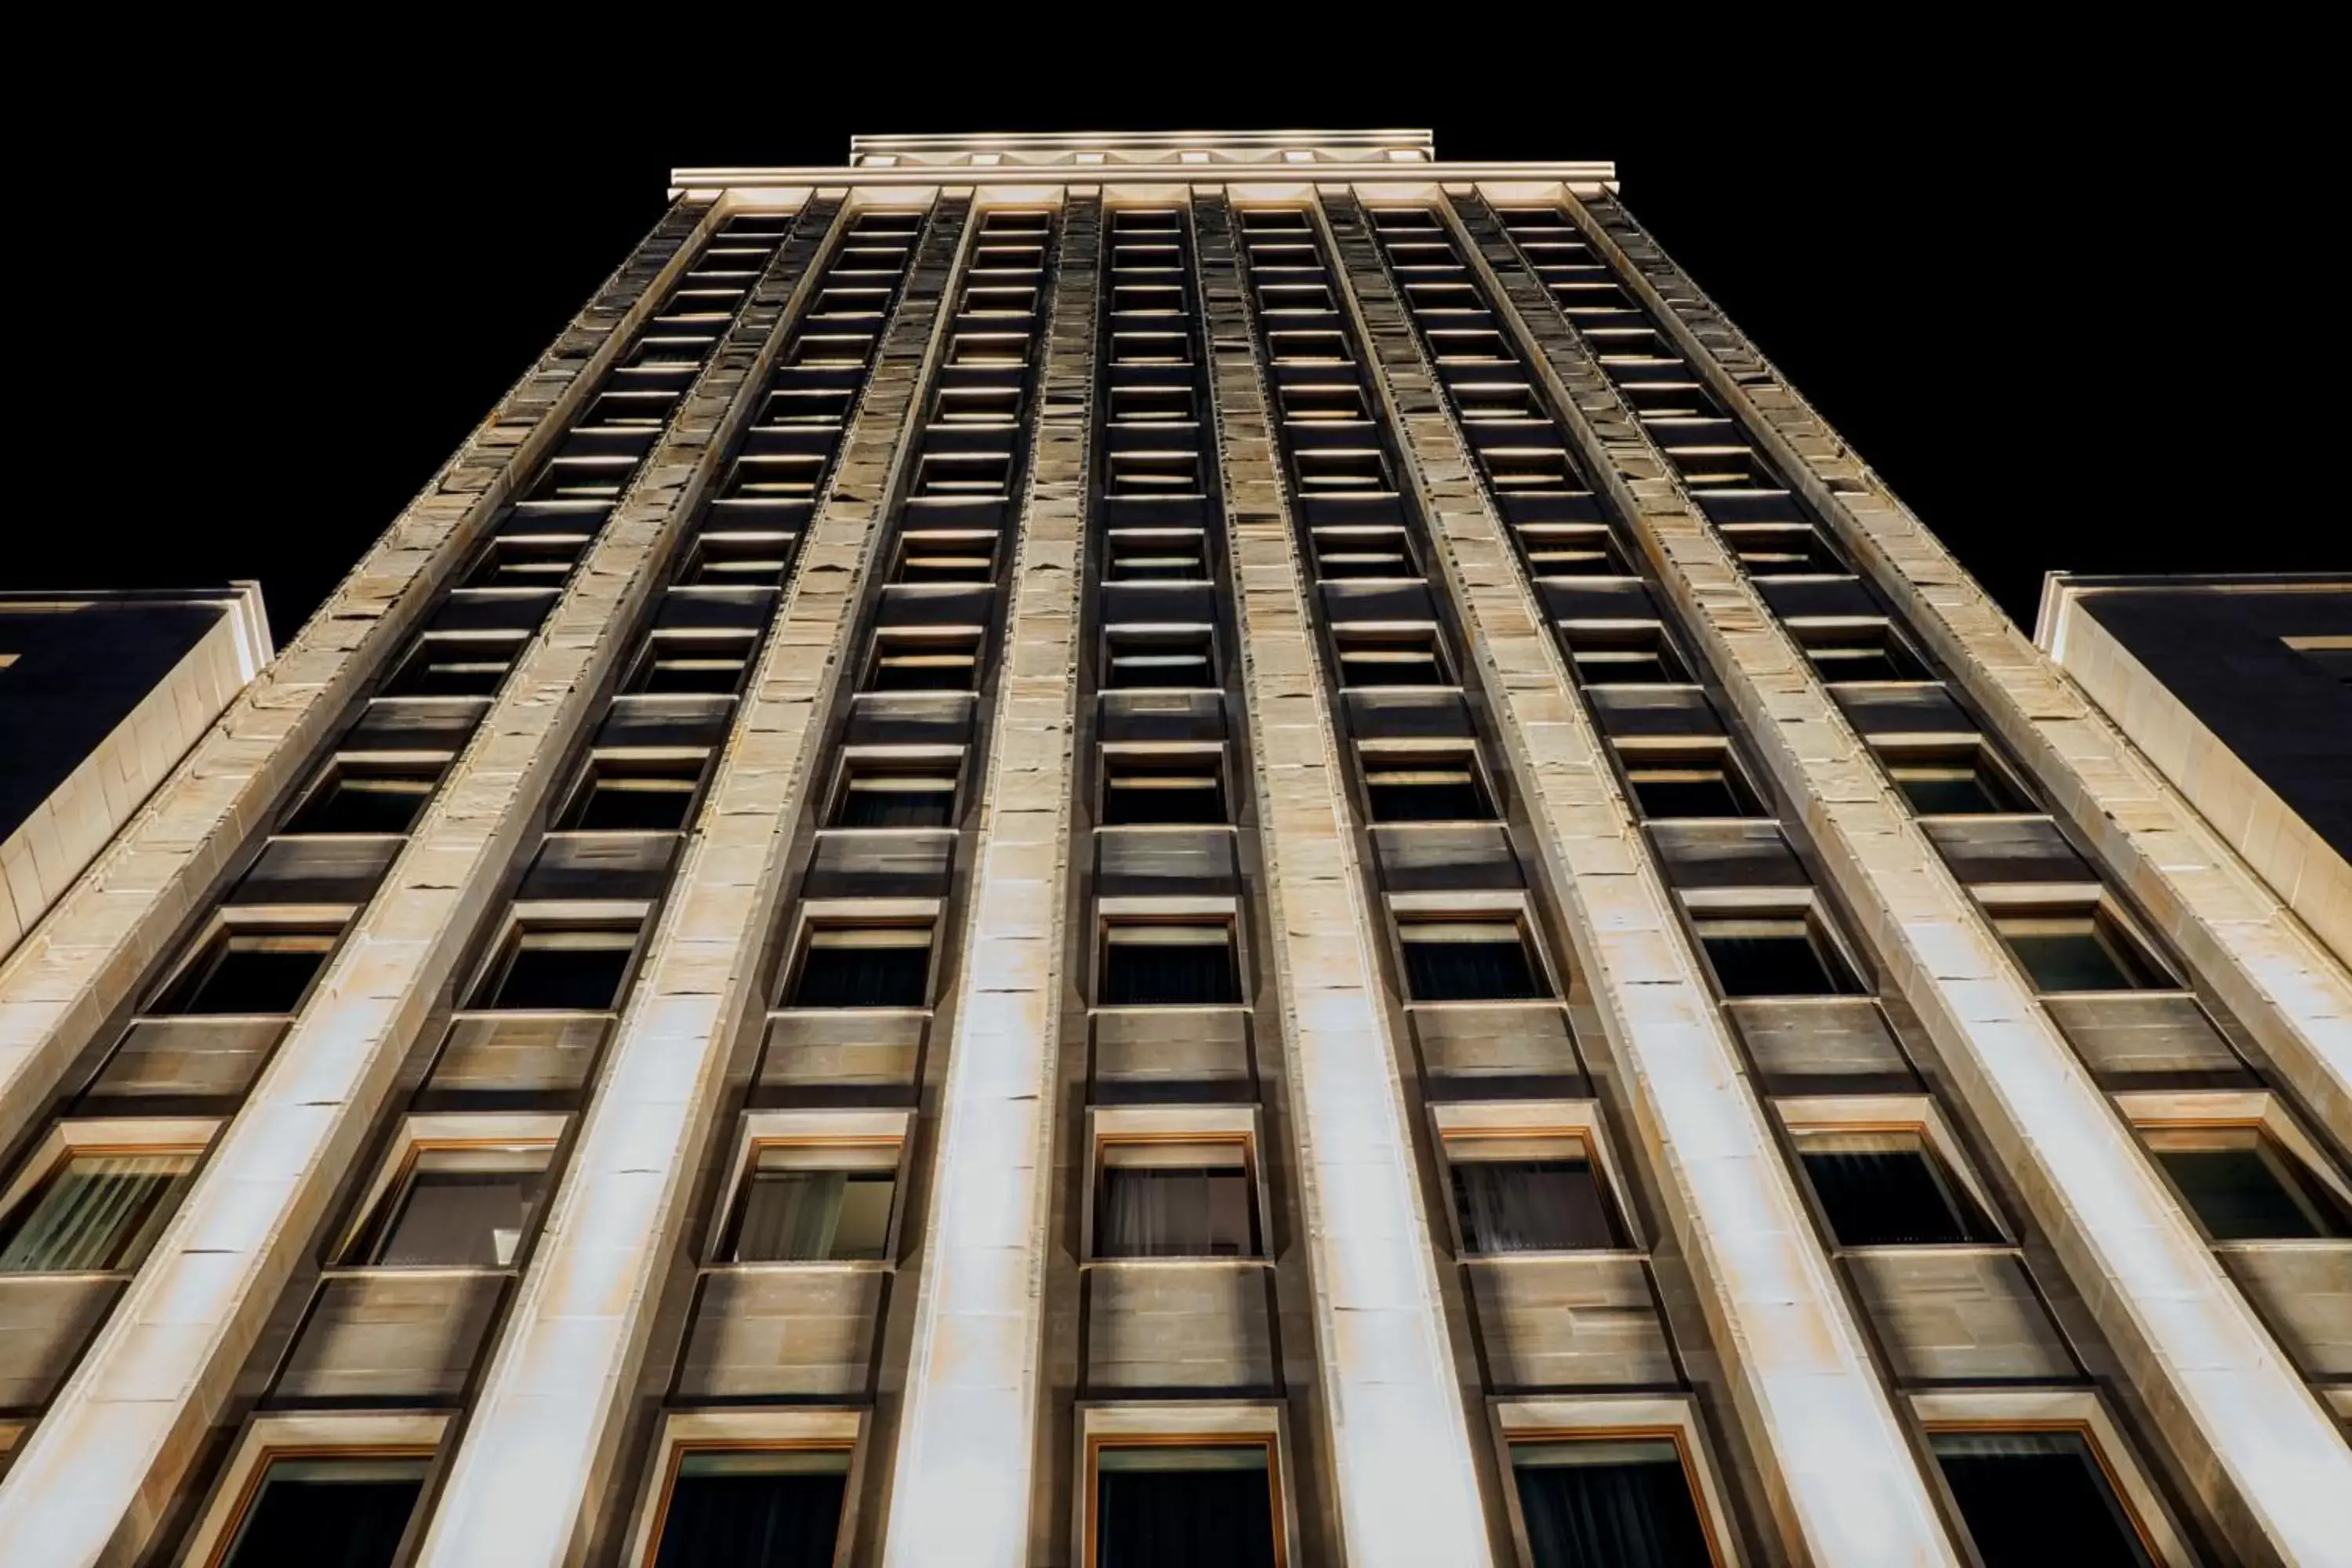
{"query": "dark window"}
{"type": "Point", "coordinates": [571, 970]}
{"type": "Point", "coordinates": [1952, 784]}
{"type": "Point", "coordinates": [1469, 960]}
{"type": "Point", "coordinates": [754, 1508]}
{"type": "Point", "coordinates": [1159, 1506]}
{"type": "Point", "coordinates": [896, 797]}
{"type": "Point", "coordinates": [318, 1512]}
{"type": "Point", "coordinates": [1141, 790]}
{"type": "Point", "coordinates": [628, 795]}
{"type": "Point", "coordinates": [358, 797]}
{"type": "Point", "coordinates": [1885, 1189]}
{"type": "Point", "coordinates": [1563, 551]}
{"type": "Point", "coordinates": [928, 664]}
{"type": "Point", "coordinates": [1527, 1194]}
{"type": "Point", "coordinates": [1781, 551]}
{"type": "Point", "coordinates": [1365, 661]}
{"type": "Point", "coordinates": [1782, 956]}
{"type": "Point", "coordinates": [1625, 656]}
{"type": "Point", "coordinates": [1173, 556]}
{"type": "Point", "coordinates": [96, 1210]}
{"type": "Point", "coordinates": [1177, 660]}
{"type": "Point", "coordinates": [250, 971]}
{"type": "Point", "coordinates": [1618, 1503]}
{"type": "Point", "coordinates": [746, 561]}
{"type": "Point", "coordinates": [1869, 652]}
{"type": "Point", "coordinates": [1169, 966]}
{"type": "Point", "coordinates": [881, 966]}
{"type": "Point", "coordinates": [947, 558]}
{"type": "Point", "coordinates": [455, 1206]}
{"type": "Point", "coordinates": [453, 666]}
{"type": "Point", "coordinates": [2032, 1499]}
{"type": "Point", "coordinates": [2244, 1186]}
{"type": "Point", "coordinates": [682, 665]}
{"type": "Point", "coordinates": [808, 1205]}
{"type": "Point", "coordinates": [523, 563]}
{"type": "Point", "coordinates": [1700, 783]}
{"type": "Point", "coordinates": [1174, 1200]}
{"type": "Point", "coordinates": [2078, 952]}
{"type": "Point", "coordinates": [1363, 552]}
{"type": "Point", "coordinates": [1441, 789]}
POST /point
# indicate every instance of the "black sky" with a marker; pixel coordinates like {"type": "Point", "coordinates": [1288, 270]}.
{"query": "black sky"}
{"type": "Point", "coordinates": [2056, 294]}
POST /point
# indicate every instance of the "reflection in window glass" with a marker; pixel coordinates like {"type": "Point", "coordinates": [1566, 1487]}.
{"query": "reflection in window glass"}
{"type": "Point", "coordinates": [1169, 966]}
{"type": "Point", "coordinates": [2078, 952]}
{"type": "Point", "coordinates": [1622, 1504]}
{"type": "Point", "coordinates": [1175, 1200]}
{"type": "Point", "coordinates": [815, 1205]}
{"type": "Point", "coordinates": [876, 967]}
{"type": "Point", "coordinates": [2032, 1499]}
{"type": "Point", "coordinates": [1886, 1189]}
{"type": "Point", "coordinates": [559, 969]}
{"type": "Point", "coordinates": [753, 1508]}
{"type": "Point", "coordinates": [1771, 957]}
{"type": "Point", "coordinates": [320, 1512]}
{"type": "Point", "coordinates": [459, 1206]}
{"type": "Point", "coordinates": [1527, 1194]}
{"type": "Point", "coordinates": [1167, 1506]}
{"type": "Point", "coordinates": [248, 971]}
{"type": "Point", "coordinates": [97, 1210]}
{"type": "Point", "coordinates": [2245, 1188]}
{"type": "Point", "coordinates": [1469, 960]}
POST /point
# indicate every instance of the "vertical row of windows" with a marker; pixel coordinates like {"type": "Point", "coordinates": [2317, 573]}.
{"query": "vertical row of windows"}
{"type": "Point", "coordinates": [86, 1201]}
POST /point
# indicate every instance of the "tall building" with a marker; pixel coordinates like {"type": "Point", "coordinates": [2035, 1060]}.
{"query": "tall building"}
{"type": "Point", "coordinates": [1151, 851]}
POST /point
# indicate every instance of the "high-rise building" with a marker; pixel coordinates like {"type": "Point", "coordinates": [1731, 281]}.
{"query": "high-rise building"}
{"type": "Point", "coordinates": [1159, 850]}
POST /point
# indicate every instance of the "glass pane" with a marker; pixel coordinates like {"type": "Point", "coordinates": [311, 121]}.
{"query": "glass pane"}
{"type": "Point", "coordinates": [1183, 1507]}
{"type": "Point", "coordinates": [1608, 1505]}
{"type": "Point", "coordinates": [1175, 1212]}
{"type": "Point", "coordinates": [464, 1206]}
{"type": "Point", "coordinates": [2074, 954]}
{"type": "Point", "coordinates": [753, 1511]}
{"type": "Point", "coordinates": [1530, 1206]}
{"type": "Point", "coordinates": [249, 974]}
{"type": "Point", "coordinates": [858, 976]}
{"type": "Point", "coordinates": [1425, 795]}
{"type": "Point", "coordinates": [545, 971]}
{"type": "Point", "coordinates": [1759, 959]}
{"type": "Point", "coordinates": [813, 1216]}
{"type": "Point", "coordinates": [632, 800]}
{"type": "Point", "coordinates": [1169, 974]}
{"type": "Point", "coordinates": [1686, 792]}
{"type": "Point", "coordinates": [898, 800]}
{"type": "Point", "coordinates": [328, 1513]}
{"type": "Point", "coordinates": [2246, 1188]}
{"type": "Point", "coordinates": [1470, 970]}
{"type": "Point", "coordinates": [2032, 1499]}
{"type": "Point", "coordinates": [1891, 1196]}
{"type": "Point", "coordinates": [1164, 795]}
{"type": "Point", "coordinates": [94, 1212]}
{"type": "Point", "coordinates": [1953, 789]}
{"type": "Point", "coordinates": [364, 802]}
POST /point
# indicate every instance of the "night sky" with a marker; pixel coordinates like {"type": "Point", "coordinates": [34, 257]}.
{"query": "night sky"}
{"type": "Point", "coordinates": [2054, 302]}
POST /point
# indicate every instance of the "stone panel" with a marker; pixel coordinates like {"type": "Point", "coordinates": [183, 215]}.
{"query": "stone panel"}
{"type": "Point", "coordinates": [1960, 1315]}
{"type": "Point", "coordinates": [1581, 1320]}
{"type": "Point", "coordinates": [518, 1053]}
{"type": "Point", "coordinates": [44, 1320]}
{"type": "Point", "coordinates": [1200, 1325]}
{"type": "Point", "coordinates": [394, 1333]}
{"type": "Point", "coordinates": [192, 1058]}
{"type": "Point", "coordinates": [769, 1331]}
{"type": "Point", "coordinates": [2305, 1288]}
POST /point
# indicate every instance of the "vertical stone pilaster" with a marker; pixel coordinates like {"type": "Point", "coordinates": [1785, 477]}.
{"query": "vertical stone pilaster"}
{"type": "Point", "coordinates": [973, 1380]}
{"type": "Point", "coordinates": [2241, 937]}
{"type": "Point", "coordinates": [97, 943]}
{"type": "Point", "coordinates": [1844, 1474]}
{"type": "Point", "coordinates": [532, 1473]}
{"type": "Point", "coordinates": [100, 1470]}
{"type": "Point", "coordinates": [1404, 1474]}
{"type": "Point", "coordinates": [2246, 1433]}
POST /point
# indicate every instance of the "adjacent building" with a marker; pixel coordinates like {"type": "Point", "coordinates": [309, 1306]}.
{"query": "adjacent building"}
{"type": "Point", "coordinates": [1156, 850]}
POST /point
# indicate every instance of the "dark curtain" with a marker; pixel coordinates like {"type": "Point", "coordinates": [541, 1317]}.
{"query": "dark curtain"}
{"type": "Point", "coordinates": [1771, 966]}
{"type": "Point", "coordinates": [751, 1522]}
{"type": "Point", "coordinates": [1530, 1206]}
{"type": "Point", "coordinates": [896, 808]}
{"type": "Point", "coordinates": [1469, 972]}
{"type": "Point", "coordinates": [1174, 974]}
{"type": "Point", "coordinates": [1184, 1518]}
{"type": "Point", "coordinates": [1611, 1516]}
{"type": "Point", "coordinates": [863, 977]}
{"type": "Point", "coordinates": [1885, 1197]}
{"type": "Point", "coordinates": [1156, 1212]}
{"type": "Point", "coordinates": [325, 1524]}
{"type": "Point", "coordinates": [1428, 803]}
{"type": "Point", "coordinates": [2032, 1499]}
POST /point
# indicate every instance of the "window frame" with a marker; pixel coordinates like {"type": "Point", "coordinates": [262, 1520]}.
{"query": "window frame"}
{"type": "Point", "coordinates": [2056, 1410]}
{"type": "Point", "coordinates": [2092, 901]}
{"type": "Point", "coordinates": [1696, 754]}
{"type": "Point", "coordinates": [273, 1435]}
{"type": "Point", "coordinates": [1108, 1126]}
{"type": "Point", "coordinates": [1409, 910]}
{"type": "Point", "coordinates": [424, 1133]}
{"type": "Point", "coordinates": [231, 922]}
{"type": "Point", "coordinates": [526, 920]}
{"type": "Point", "coordinates": [1374, 756]}
{"type": "Point", "coordinates": [869, 762]}
{"type": "Point", "coordinates": [821, 917]}
{"type": "Point", "coordinates": [1704, 907]}
{"type": "Point", "coordinates": [1801, 1116]}
{"type": "Point", "coordinates": [1186, 1424]}
{"type": "Point", "coordinates": [70, 1137]}
{"type": "Point", "coordinates": [628, 764]}
{"type": "Point", "coordinates": [1502, 1122]}
{"type": "Point", "coordinates": [431, 768]}
{"type": "Point", "coordinates": [1895, 752]}
{"type": "Point", "coordinates": [2216, 1110]}
{"type": "Point", "coordinates": [1601, 1419]}
{"type": "Point", "coordinates": [1116, 913]}
{"type": "Point", "coordinates": [761, 1131]}
{"type": "Point", "coordinates": [1132, 757]}
{"type": "Point", "coordinates": [780, 1429]}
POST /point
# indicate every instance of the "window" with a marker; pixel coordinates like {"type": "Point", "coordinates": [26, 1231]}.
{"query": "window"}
{"type": "Point", "coordinates": [949, 663]}
{"type": "Point", "coordinates": [1157, 555]}
{"type": "Point", "coordinates": [752, 1507]}
{"type": "Point", "coordinates": [1169, 966]}
{"type": "Point", "coordinates": [1166, 1505]}
{"type": "Point", "coordinates": [1436, 788]}
{"type": "Point", "coordinates": [814, 1203]}
{"type": "Point", "coordinates": [1404, 660]}
{"type": "Point", "coordinates": [1363, 552]}
{"type": "Point", "coordinates": [1561, 550]}
{"type": "Point", "coordinates": [2244, 1185]}
{"type": "Point", "coordinates": [523, 563]}
{"type": "Point", "coordinates": [1953, 781]}
{"type": "Point", "coordinates": [1772, 955]}
{"type": "Point", "coordinates": [455, 1204]}
{"type": "Point", "coordinates": [1469, 960]}
{"type": "Point", "coordinates": [95, 1208]}
{"type": "Point", "coordinates": [745, 561]}
{"type": "Point", "coordinates": [1527, 1194]}
{"type": "Point", "coordinates": [627, 795]}
{"type": "Point", "coordinates": [249, 969]}
{"type": "Point", "coordinates": [1159, 659]}
{"type": "Point", "coordinates": [1636, 655]}
{"type": "Point", "coordinates": [2031, 1498]}
{"type": "Point", "coordinates": [877, 794]}
{"type": "Point", "coordinates": [1781, 550]}
{"type": "Point", "coordinates": [681, 663]}
{"type": "Point", "coordinates": [2077, 950]}
{"type": "Point", "coordinates": [446, 666]}
{"type": "Point", "coordinates": [350, 1509]}
{"type": "Point", "coordinates": [1868, 651]}
{"type": "Point", "coordinates": [1887, 1188]}
{"type": "Point", "coordinates": [568, 969]}
{"type": "Point", "coordinates": [1623, 1500]}
{"type": "Point", "coordinates": [865, 966]}
{"type": "Point", "coordinates": [947, 558]}
{"type": "Point", "coordinates": [1175, 1198]}
{"type": "Point", "coordinates": [364, 798]}
{"type": "Point", "coordinates": [1140, 789]}
{"type": "Point", "coordinates": [1702, 782]}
